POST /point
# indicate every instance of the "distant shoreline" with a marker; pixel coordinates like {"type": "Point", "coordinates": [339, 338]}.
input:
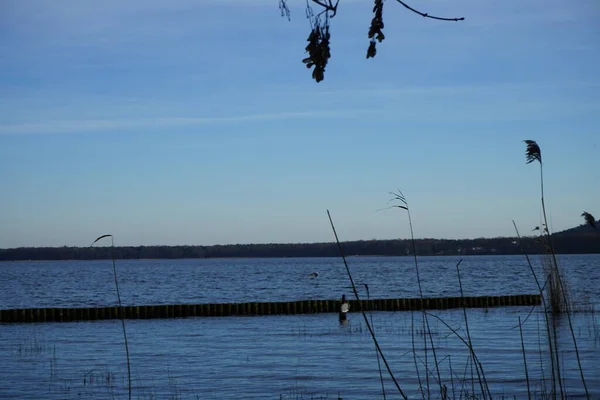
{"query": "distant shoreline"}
{"type": "Point", "coordinates": [572, 243]}
{"type": "Point", "coordinates": [295, 257]}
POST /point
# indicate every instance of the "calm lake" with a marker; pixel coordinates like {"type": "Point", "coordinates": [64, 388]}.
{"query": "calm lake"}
{"type": "Point", "coordinates": [287, 357]}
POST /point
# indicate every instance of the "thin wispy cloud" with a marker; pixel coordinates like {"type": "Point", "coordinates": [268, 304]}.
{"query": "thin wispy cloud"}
{"type": "Point", "coordinates": [499, 89]}
{"type": "Point", "coordinates": [411, 104]}
{"type": "Point", "coordinates": [107, 125]}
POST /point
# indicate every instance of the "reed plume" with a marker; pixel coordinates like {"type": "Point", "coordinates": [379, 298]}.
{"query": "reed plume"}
{"type": "Point", "coordinates": [533, 151]}
{"type": "Point", "coordinates": [589, 219]}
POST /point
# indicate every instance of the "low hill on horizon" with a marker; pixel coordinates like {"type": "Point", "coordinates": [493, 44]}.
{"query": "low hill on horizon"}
{"type": "Point", "coordinates": [582, 239]}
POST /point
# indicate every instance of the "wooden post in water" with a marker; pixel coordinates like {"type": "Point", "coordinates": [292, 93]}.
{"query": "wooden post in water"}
{"type": "Point", "coordinates": [306, 307]}
{"type": "Point", "coordinates": [227, 309]}
{"type": "Point", "coordinates": [388, 305]}
{"type": "Point", "coordinates": [200, 310]}
{"type": "Point", "coordinates": [261, 308]}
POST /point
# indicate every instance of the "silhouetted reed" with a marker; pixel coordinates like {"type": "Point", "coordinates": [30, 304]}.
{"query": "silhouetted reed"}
{"type": "Point", "coordinates": [399, 197]}
{"type": "Point", "coordinates": [524, 360]}
{"type": "Point", "coordinates": [343, 255]}
{"type": "Point", "coordinates": [551, 347]}
{"type": "Point", "coordinates": [479, 367]}
{"type": "Point", "coordinates": [376, 352]}
{"type": "Point", "coordinates": [589, 219]}
{"type": "Point", "coordinates": [558, 294]}
{"type": "Point", "coordinates": [121, 314]}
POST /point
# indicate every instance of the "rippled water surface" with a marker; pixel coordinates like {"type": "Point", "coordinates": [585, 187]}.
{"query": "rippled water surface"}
{"type": "Point", "coordinates": [91, 283]}
{"type": "Point", "coordinates": [283, 357]}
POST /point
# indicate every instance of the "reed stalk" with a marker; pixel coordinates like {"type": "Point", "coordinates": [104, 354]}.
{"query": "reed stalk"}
{"type": "Point", "coordinates": [524, 359]}
{"type": "Point", "coordinates": [534, 153]}
{"type": "Point", "coordinates": [376, 353]}
{"type": "Point", "coordinates": [472, 354]}
{"type": "Point", "coordinates": [543, 375]}
{"type": "Point", "coordinates": [451, 376]}
{"type": "Point", "coordinates": [426, 328]}
{"type": "Point", "coordinates": [387, 366]}
{"type": "Point", "coordinates": [120, 308]}
{"type": "Point", "coordinates": [483, 392]}
{"type": "Point", "coordinates": [553, 353]}
{"type": "Point", "coordinates": [414, 352]}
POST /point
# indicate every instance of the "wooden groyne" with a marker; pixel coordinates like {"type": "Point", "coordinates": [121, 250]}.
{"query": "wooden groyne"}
{"type": "Point", "coordinates": [255, 308]}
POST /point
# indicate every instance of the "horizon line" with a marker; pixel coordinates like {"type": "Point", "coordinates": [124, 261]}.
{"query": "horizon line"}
{"type": "Point", "coordinates": [282, 243]}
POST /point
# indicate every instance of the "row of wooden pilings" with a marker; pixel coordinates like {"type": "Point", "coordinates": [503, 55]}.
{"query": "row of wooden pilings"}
{"type": "Point", "coordinates": [255, 308]}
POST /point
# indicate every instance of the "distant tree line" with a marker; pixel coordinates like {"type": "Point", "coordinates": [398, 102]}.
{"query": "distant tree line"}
{"type": "Point", "coordinates": [580, 243]}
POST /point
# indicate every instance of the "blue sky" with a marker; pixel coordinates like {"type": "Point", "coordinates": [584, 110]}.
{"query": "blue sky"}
{"type": "Point", "coordinates": [195, 122]}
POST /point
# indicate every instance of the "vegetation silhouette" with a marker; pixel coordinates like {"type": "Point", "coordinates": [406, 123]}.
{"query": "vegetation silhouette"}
{"type": "Point", "coordinates": [318, 47]}
{"type": "Point", "coordinates": [579, 240]}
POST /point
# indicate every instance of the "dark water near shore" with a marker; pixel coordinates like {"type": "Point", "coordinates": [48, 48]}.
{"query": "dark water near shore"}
{"type": "Point", "coordinates": [281, 357]}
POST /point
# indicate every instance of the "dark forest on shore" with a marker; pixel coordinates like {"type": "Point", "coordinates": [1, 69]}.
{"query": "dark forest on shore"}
{"type": "Point", "coordinates": [578, 240]}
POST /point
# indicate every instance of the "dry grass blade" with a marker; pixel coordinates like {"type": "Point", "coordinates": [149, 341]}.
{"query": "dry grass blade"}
{"type": "Point", "coordinates": [589, 219]}
{"type": "Point", "coordinates": [533, 152]}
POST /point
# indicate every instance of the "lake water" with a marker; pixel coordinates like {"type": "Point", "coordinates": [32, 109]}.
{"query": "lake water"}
{"type": "Point", "coordinates": [285, 357]}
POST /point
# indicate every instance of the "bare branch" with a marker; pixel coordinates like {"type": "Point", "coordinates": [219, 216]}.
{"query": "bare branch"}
{"type": "Point", "coordinates": [319, 39]}
{"type": "Point", "coordinates": [328, 7]}
{"type": "Point", "coordinates": [285, 11]}
{"type": "Point", "coordinates": [427, 15]}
